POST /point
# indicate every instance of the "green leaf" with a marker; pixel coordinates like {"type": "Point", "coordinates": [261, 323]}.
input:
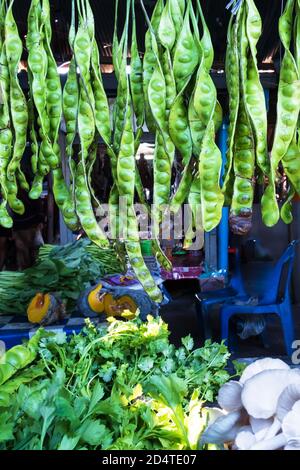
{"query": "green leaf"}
{"type": "Point", "coordinates": [195, 422]}
{"type": "Point", "coordinates": [80, 406]}
{"type": "Point", "coordinates": [64, 409]}
{"type": "Point", "coordinates": [47, 413]}
{"type": "Point", "coordinates": [171, 390]}
{"type": "Point", "coordinates": [239, 367]}
{"type": "Point", "coordinates": [6, 427]}
{"type": "Point", "coordinates": [68, 443]}
{"type": "Point", "coordinates": [60, 338]}
{"type": "Point", "coordinates": [188, 342]}
{"type": "Point", "coordinates": [92, 432]}
{"type": "Point", "coordinates": [145, 364]}
{"type": "Point", "coordinates": [23, 377]}
{"type": "Point", "coordinates": [97, 395]}
{"type": "Point", "coordinates": [168, 366]}
{"type": "Point", "coordinates": [107, 370]}
{"type": "Point", "coordinates": [181, 355]}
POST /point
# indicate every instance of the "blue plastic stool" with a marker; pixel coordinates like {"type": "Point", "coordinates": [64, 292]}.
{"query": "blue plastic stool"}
{"type": "Point", "coordinates": [274, 301]}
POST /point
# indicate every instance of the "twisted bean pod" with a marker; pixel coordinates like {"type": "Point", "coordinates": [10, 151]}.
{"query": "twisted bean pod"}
{"type": "Point", "coordinates": [210, 165]}
{"type": "Point", "coordinates": [18, 105]}
{"type": "Point", "coordinates": [70, 110]}
{"type": "Point", "coordinates": [197, 127]}
{"type": "Point", "coordinates": [286, 211]}
{"type": "Point", "coordinates": [244, 151]}
{"type": "Point", "coordinates": [195, 228]}
{"type": "Point", "coordinates": [177, 12]}
{"type": "Point", "coordinates": [102, 118]}
{"type": "Point", "coordinates": [126, 160]}
{"type": "Point", "coordinates": [179, 129]}
{"type": "Point", "coordinates": [186, 55]}
{"type": "Point", "coordinates": [38, 65]}
{"type": "Point", "coordinates": [9, 188]}
{"type": "Point", "coordinates": [254, 94]}
{"type": "Point", "coordinates": [183, 189]}
{"type": "Point", "coordinates": [136, 77]}
{"type": "Point", "coordinates": [136, 259]}
{"type": "Point", "coordinates": [233, 86]}
{"type": "Point", "coordinates": [84, 208]}
{"type": "Point", "coordinates": [62, 195]}
{"type": "Point", "coordinates": [166, 29]}
{"type": "Point", "coordinates": [5, 154]}
{"type": "Point", "coordinates": [149, 62]}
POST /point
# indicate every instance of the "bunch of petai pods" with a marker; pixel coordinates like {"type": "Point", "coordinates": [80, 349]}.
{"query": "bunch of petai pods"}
{"type": "Point", "coordinates": [182, 110]}
{"type": "Point", "coordinates": [247, 151]}
{"type": "Point", "coordinates": [169, 89]}
{"type": "Point", "coordinates": [286, 146]}
{"type": "Point", "coordinates": [13, 117]}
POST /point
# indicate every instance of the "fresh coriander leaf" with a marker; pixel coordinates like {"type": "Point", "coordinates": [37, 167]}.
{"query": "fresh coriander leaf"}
{"type": "Point", "coordinates": [97, 395]}
{"type": "Point", "coordinates": [168, 366]}
{"type": "Point", "coordinates": [239, 367]}
{"type": "Point", "coordinates": [145, 364]}
{"type": "Point", "coordinates": [188, 342]}
{"type": "Point", "coordinates": [92, 432]}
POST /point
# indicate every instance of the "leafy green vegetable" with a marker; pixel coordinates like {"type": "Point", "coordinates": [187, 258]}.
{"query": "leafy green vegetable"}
{"type": "Point", "coordinates": [117, 387]}
{"type": "Point", "coordinates": [67, 270]}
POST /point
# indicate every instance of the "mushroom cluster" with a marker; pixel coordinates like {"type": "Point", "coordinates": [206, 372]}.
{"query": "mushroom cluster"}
{"type": "Point", "coordinates": [261, 411]}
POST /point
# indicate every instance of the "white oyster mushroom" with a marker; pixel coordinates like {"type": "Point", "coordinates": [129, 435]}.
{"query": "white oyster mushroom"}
{"type": "Point", "coordinates": [291, 448]}
{"type": "Point", "coordinates": [260, 427]}
{"type": "Point", "coordinates": [287, 399]}
{"type": "Point", "coordinates": [291, 426]}
{"type": "Point", "coordinates": [258, 366]}
{"type": "Point", "coordinates": [224, 429]}
{"type": "Point", "coordinates": [229, 396]}
{"type": "Point", "coordinates": [244, 439]}
{"type": "Point", "coordinates": [273, 429]}
{"type": "Point", "coordinates": [277, 442]}
{"type": "Point", "coordinates": [261, 392]}
{"type": "Point", "coordinates": [289, 438]}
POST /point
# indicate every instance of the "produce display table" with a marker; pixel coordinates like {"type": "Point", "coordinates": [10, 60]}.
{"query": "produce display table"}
{"type": "Point", "coordinates": [15, 329]}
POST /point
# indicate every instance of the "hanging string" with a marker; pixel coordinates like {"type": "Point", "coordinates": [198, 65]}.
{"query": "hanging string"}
{"type": "Point", "coordinates": [236, 5]}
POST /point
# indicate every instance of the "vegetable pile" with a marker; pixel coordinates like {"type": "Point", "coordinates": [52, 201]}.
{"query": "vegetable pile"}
{"type": "Point", "coordinates": [121, 387]}
{"type": "Point", "coordinates": [65, 270]}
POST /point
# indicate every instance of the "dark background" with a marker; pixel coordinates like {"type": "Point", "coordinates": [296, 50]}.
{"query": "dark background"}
{"type": "Point", "coordinates": [215, 12]}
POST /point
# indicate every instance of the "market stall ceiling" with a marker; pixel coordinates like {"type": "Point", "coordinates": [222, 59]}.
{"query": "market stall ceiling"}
{"type": "Point", "coordinates": [215, 13]}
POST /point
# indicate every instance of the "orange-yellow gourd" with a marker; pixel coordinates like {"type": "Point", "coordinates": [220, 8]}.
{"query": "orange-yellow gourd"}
{"type": "Point", "coordinates": [39, 307]}
{"type": "Point", "coordinates": [127, 303]}
{"type": "Point", "coordinates": [96, 299]}
{"type": "Point", "coordinates": [110, 306]}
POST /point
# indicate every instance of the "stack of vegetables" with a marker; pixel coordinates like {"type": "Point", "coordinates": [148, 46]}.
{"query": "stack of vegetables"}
{"type": "Point", "coordinates": [64, 270]}
{"type": "Point", "coordinates": [119, 388]}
